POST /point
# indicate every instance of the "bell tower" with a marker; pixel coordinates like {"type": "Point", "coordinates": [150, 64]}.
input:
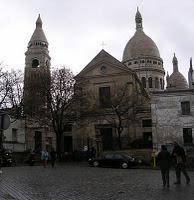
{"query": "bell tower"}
{"type": "Point", "coordinates": [37, 72]}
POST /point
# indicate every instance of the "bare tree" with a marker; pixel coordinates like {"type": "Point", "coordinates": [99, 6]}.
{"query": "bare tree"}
{"type": "Point", "coordinates": [11, 91]}
{"type": "Point", "coordinates": [15, 94]}
{"type": "Point", "coordinates": [4, 88]}
{"type": "Point", "coordinates": [124, 104]}
{"type": "Point", "coordinates": [59, 101]}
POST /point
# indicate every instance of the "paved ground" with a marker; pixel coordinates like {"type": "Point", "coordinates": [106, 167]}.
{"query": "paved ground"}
{"type": "Point", "coordinates": [80, 182]}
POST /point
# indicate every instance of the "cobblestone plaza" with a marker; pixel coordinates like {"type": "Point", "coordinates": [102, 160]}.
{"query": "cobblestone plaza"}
{"type": "Point", "coordinates": [79, 182]}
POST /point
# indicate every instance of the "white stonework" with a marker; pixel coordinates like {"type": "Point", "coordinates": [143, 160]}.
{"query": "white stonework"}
{"type": "Point", "coordinates": [167, 118]}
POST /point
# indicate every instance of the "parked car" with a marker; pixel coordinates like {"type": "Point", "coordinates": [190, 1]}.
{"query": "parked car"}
{"type": "Point", "coordinates": [115, 159]}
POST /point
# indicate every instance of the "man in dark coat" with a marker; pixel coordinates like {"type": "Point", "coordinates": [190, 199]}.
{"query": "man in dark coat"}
{"type": "Point", "coordinates": [53, 157]}
{"type": "Point", "coordinates": [164, 160]}
{"type": "Point", "coordinates": [179, 158]}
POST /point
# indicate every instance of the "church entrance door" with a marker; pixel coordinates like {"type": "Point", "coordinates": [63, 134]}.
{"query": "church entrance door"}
{"type": "Point", "coordinates": [107, 140]}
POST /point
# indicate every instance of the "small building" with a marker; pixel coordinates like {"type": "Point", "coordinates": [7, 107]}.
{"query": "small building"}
{"type": "Point", "coordinates": [173, 111]}
{"type": "Point", "coordinates": [14, 138]}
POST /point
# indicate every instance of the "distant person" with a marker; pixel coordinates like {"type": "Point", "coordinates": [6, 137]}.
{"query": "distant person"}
{"type": "Point", "coordinates": [44, 157]}
{"type": "Point", "coordinates": [31, 159]}
{"type": "Point", "coordinates": [179, 158]}
{"type": "Point", "coordinates": [93, 152]}
{"type": "Point", "coordinates": [164, 160]}
{"type": "Point", "coordinates": [53, 157]}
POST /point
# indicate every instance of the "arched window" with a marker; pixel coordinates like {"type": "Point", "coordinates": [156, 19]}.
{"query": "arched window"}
{"type": "Point", "coordinates": [35, 63]}
{"type": "Point", "coordinates": [150, 82]}
{"type": "Point", "coordinates": [161, 84]}
{"type": "Point", "coordinates": [143, 80]}
{"type": "Point", "coordinates": [156, 82]}
{"type": "Point", "coordinates": [47, 63]}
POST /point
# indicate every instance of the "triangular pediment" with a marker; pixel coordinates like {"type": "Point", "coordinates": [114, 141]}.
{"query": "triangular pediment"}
{"type": "Point", "coordinates": [104, 64]}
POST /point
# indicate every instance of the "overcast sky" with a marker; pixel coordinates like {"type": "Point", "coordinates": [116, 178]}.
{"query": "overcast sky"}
{"type": "Point", "coordinates": [75, 29]}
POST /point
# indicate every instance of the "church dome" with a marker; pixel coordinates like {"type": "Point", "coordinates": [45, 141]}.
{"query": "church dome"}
{"type": "Point", "coordinates": [176, 80]}
{"type": "Point", "coordinates": [140, 45]}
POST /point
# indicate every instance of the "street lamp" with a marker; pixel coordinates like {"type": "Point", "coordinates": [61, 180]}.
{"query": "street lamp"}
{"type": "Point", "coordinates": [4, 124]}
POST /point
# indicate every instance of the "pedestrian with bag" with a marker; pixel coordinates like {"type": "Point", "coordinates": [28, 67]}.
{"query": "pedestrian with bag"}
{"type": "Point", "coordinates": [44, 157]}
{"type": "Point", "coordinates": [179, 158]}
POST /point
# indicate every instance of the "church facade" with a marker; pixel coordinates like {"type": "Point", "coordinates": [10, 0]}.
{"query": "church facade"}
{"type": "Point", "coordinates": [115, 104]}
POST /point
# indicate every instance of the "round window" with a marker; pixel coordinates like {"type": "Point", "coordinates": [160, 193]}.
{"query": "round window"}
{"type": "Point", "coordinates": [103, 69]}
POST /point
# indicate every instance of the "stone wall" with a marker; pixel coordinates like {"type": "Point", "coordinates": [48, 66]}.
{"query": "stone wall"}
{"type": "Point", "coordinates": [168, 121]}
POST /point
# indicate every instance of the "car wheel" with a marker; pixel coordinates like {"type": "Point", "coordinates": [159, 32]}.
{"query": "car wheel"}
{"type": "Point", "coordinates": [96, 163]}
{"type": "Point", "coordinates": [124, 165]}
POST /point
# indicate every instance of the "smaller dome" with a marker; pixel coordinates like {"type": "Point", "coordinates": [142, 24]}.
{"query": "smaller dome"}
{"type": "Point", "coordinates": [176, 81]}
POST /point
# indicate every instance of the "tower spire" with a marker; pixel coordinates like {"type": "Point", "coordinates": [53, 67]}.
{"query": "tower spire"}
{"type": "Point", "coordinates": [39, 22]}
{"type": "Point", "coordinates": [191, 65]}
{"type": "Point", "coordinates": [175, 64]}
{"type": "Point", "coordinates": [191, 75]}
{"type": "Point", "coordinates": [138, 20]}
{"type": "Point", "coordinates": [38, 35]}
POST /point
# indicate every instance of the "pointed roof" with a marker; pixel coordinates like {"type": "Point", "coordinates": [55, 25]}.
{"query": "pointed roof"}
{"type": "Point", "coordinates": [175, 63]}
{"type": "Point", "coordinates": [191, 66]}
{"type": "Point", "coordinates": [138, 20]}
{"type": "Point", "coordinates": [103, 56]}
{"type": "Point", "coordinates": [38, 35]}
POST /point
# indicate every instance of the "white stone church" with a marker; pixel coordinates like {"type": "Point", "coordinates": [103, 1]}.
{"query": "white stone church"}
{"type": "Point", "coordinates": [171, 115]}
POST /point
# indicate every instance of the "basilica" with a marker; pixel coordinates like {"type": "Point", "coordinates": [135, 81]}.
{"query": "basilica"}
{"type": "Point", "coordinates": [127, 103]}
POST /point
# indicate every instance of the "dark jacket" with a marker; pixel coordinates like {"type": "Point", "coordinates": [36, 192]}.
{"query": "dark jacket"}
{"type": "Point", "coordinates": [178, 155]}
{"type": "Point", "coordinates": [53, 155]}
{"type": "Point", "coordinates": [164, 159]}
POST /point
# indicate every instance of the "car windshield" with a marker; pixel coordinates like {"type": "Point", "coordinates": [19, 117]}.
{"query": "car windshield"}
{"type": "Point", "coordinates": [118, 156]}
{"type": "Point", "coordinates": [126, 155]}
{"type": "Point", "coordinates": [108, 156]}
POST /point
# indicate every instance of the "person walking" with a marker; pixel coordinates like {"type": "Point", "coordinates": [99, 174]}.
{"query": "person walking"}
{"type": "Point", "coordinates": [179, 158]}
{"type": "Point", "coordinates": [44, 157]}
{"type": "Point", "coordinates": [53, 156]}
{"type": "Point", "coordinates": [164, 160]}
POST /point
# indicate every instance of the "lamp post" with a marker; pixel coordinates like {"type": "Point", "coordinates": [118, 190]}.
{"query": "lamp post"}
{"type": "Point", "coordinates": [4, 124]}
